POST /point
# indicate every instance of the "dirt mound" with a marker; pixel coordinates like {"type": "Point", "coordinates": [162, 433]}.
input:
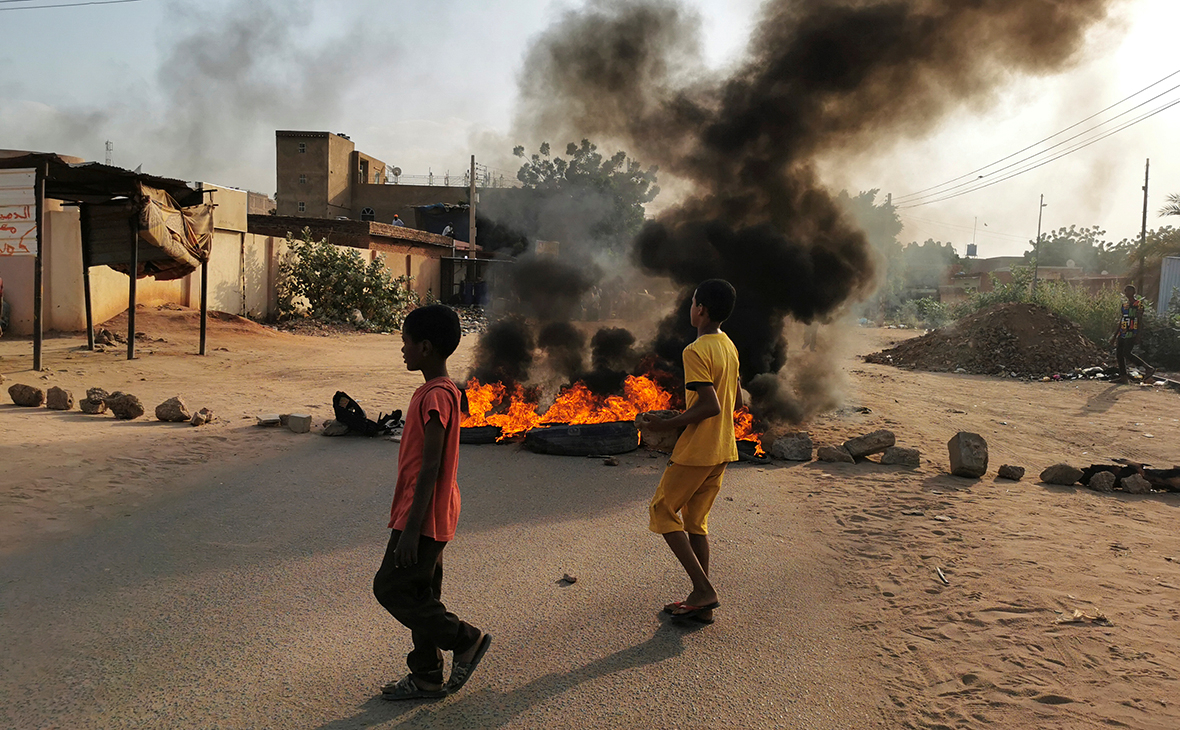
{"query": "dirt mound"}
{"type": "Point", "coordinates": [1024, 339]}
{"type": "Point", "coordinates": [173, 321]}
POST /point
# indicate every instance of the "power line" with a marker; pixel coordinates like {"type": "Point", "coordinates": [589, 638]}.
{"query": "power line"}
{"type": "Point", "coordinates": [981, 231]}
{"type": "Point", "coordinates": [912, 197]}
{"type": "Point", "coordinates": [1030, 168]}
{"type": "Point", "coordinates": [66, 5]}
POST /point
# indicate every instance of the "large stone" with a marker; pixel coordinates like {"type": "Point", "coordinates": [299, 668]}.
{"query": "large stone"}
{"type": "Point", "coordinates": [124, 405]}
{"type": "Point", "coordinates": [299, 422]}
{"type": "Point", "coordinates": [269, 419]}
{"type": "Point", "coordinates": [870, 443]}
{"type": "Point", "coordinates": [793, 447]}
{"type": "Point", "coordinates": [332, 427]}
{"type": "Point", "coordinates": [835, 454]}
{"type": "Point", "coordinates": [94, 402]}
{"type": "Point", "coordinates": [1007, 471]}
{"type": "Point", "coordinates": [658, 440]}
{"type": "Point", "coordinates": [1062, 474]}
{"type": "Point", "coordinates": [173, 410]}
{"type": "Point", "coordinates": [968, 453]}
{"type": "Point", "coordinates": [1103, 481]}
{"type": "Point", "coordinates": [1135, 484]}
{"type": "Point", "coordinates": [203, 416]}
{"type": "Point", "coordinates": [26, 395]}
{"type": "Point", "coordinates": [59, 399]}
{"type": "Point", "coordinates": [900, 456]}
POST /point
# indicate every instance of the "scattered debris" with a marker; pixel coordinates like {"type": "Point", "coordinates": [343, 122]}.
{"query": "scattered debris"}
{"type": "Point", "coordinates": [610, 461]}
{"type": "Point", "coordinates": [870, 443]}
{"type": "Point", "coordinates": [968, 452]}
{"type": "Point", "coordinates": [1007, 471]}
{"type": "Point", "coordinates": [914, 513]}
{"type": "Point", "coordinates": [26, 395]}
{"type": "Point", "coordinates": [332, 427]}
{"type": "Point", "coordinates": [203, 416]}
{"type": "Point", "coordinates": [1061, 474]}
{"type": "Point", "coordinates": [835, 454]}
{"type": "Point", "coordinates": [1077, 617]}
{"type": "Point", "coordinates": [106, 337]}
{"type": "Point", "coordinates": [900, 456]}
{"type": "Point", "coordinates": [942, 576]}
{"type": "Point", "coordinates": [566, 580]}
{"type": "Point", "coordinates": [124, 405]}
{"type": "Point", "coordinates": [1016, 339]}
{"type": "Point", "coordinates": [173, 410]}
{"type": "Point", "coordinates": [793, 447]}
{"type": "Point", "coordinates": [59, 399]}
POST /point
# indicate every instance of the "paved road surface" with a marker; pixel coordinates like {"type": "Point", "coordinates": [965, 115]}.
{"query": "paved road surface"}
{"type": "Point", "coordinates": [245, 602]}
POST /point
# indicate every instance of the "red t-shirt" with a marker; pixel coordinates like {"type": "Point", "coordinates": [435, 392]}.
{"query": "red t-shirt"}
{"type": "Point", "coordinates": [440, 396]}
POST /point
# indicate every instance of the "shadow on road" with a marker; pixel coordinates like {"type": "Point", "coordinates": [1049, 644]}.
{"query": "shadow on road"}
{"type": "Point", "coordinates": [492, 708]}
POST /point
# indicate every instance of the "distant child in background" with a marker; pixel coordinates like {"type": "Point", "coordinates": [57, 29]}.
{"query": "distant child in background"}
{"type": "Point", "coordinates": [424, 515]}
{"type": "Point", "coordinates": [1127, 335]}
{"type": "Point", "coordinates": [680, 509]}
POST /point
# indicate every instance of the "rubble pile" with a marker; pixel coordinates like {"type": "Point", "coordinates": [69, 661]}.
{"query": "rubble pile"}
{"type": "Point", "coordinates": [1015, 339]}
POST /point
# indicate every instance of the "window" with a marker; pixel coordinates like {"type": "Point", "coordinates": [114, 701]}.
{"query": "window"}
{"type": "Point", "coordinates": [302, 148]}
{"type": "Point", "coordinates": [303, 179]}
{"type": "Point", "coordinates": [368, 214]}
{"type": "Point", "coordinates": [377, 178]}
{"type": "Point", "coordinates": [302, 207]}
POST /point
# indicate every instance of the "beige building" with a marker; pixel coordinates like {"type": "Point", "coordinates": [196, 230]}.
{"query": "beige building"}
{"type": "Point", "coordinates": [323, 175]}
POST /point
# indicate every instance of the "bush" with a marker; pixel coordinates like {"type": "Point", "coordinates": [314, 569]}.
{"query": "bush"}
{"type": "Point", "coordinates": [331, 283]}
{"type": "Point", "coordinates": [1161, 336]}
{"type": "Point", "coordinates": [924, 313]}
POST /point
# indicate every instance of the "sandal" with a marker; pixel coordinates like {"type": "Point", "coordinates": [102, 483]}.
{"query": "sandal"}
{"type": "Point", "coordinates": [407, 689]}
{"type": "Point", "coordinates": [462, 671]}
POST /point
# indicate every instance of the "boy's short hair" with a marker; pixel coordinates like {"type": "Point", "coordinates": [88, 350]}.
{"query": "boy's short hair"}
{"type": "Point", "coordinates": [437, 323]}
{"type": "Point", "coordinates": [718, 297]}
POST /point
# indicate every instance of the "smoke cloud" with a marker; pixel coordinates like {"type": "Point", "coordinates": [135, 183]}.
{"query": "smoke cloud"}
{"type": "Point", "coordinates": [820, 76]}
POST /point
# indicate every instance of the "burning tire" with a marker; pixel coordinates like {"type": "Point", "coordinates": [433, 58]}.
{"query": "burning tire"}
{"type": "Point", "coordinates": [619, 437]}
{"type": "Point", "coordinates": [479, 435]}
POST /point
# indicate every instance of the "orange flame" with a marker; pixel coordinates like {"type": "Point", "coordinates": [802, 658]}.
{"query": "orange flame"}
{"type": "Point", "coordinates": [743, 429]}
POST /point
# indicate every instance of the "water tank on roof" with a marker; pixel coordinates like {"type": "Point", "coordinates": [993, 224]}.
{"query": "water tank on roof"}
{"type": "Point", "coordinates": [972, 251]}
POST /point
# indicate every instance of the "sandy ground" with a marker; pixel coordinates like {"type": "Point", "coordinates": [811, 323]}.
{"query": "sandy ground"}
{"type": "Point", "coordinates": [173, 576]}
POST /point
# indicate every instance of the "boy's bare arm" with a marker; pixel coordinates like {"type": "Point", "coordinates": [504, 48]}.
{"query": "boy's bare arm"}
{"type": "Point", "coordinates": [406, 552]}
{"type": "Point", "coordinates": [706, 406]}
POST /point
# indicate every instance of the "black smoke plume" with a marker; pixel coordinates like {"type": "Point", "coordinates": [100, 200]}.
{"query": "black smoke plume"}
{"type": "Point", "coordinates": [504, 353]}
{"type": "Point", "coordinates": [563, 344]}
{"type": "Point", "coordinates": [820, 77]}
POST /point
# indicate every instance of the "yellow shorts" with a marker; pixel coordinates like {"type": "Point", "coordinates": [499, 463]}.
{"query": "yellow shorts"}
{"type": "Point", "coordinates": [689, 491]}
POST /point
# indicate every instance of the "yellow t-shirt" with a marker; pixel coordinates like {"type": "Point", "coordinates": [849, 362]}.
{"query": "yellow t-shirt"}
{"type": "Point", "coordinates": [710, 359]}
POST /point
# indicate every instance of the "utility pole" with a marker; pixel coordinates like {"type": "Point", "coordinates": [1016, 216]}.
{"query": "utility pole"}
{"type": "Point", "coordinates": [1037, 248]}
{"type": "Point", "coordinates": [1143, 232]}
{"type": "Point", "coordinates": [110, 149]}
{"type": "Point", "coordinates": [471, 210]}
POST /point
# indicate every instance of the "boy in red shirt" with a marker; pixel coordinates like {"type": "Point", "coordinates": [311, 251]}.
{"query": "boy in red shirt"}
{"type": "Point", "coordinates": [424, 514]}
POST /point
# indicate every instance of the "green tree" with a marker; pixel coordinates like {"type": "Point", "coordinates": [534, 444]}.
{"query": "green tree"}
{"type": "Point", "coordinates": [1086, 247]}
{"type": "Point", "coordinates": [1173, 206]}
{"type": "Point", "coordinates": [585, 198]}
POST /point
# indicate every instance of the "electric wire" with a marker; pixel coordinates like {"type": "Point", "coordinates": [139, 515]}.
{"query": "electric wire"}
{"type": "Point", "coordinates": [910, 198]}
{"type": "Point", "coordinates": [65, 5]}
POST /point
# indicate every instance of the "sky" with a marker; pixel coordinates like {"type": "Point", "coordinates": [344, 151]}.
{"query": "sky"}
{"type": "Point", "coordinates": [195, 90]}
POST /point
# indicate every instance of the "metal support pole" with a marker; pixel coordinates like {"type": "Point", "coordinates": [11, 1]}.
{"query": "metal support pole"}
{"type": "Point", "coordinates": [82, 215]}
{"type": "Point", "coordinates": [204, 304]}
{"type": "Point", "coordinates": [471, 221]}
{"type": "Point", "coordinates": [1037, 248]}
{"type": "Point", "coordinates": [1143, 237]}
{"type": "Point", "coordinates": [134, 276]}
{"type": "Point", "coordinates": [38, 270]}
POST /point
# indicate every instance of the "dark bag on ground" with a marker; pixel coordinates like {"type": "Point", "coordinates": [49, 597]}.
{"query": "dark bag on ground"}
{"type": "Point", "coordinates": [350, 413]}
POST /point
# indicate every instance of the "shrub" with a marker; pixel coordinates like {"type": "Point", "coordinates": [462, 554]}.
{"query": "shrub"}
{"type": "Point", "coordinates": [924, 313]}
{"type": "Point", "coordinates": [330, 283]}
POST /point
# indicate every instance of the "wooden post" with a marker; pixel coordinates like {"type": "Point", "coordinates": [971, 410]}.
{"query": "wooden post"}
{"type": "Point", "coordinates": [134, 281]}
{"type": "Point", "coordinates": [38, 271]}
{"type": "Point", "coordinates": [82, 213]}
{"type": "Point", "coordinates": [204, 303]}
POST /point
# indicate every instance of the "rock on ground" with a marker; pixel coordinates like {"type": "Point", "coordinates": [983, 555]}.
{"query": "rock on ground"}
{"type": "Point", "coordinates": [1062, 474]}
{"type": "Point", "coordinates": [1007, 471]}
{"type": "Point", "coordinates": [333, 427]}
{"type": "Point", "coordinates": [173, 410]}
{"type": "Point", "coordinates": [26, 395]}
{"type": "Point", "coordinates": [299, 422]}
{"type": "Point", "coordinates": [124, 405]}
{"type": "Point", "coordinates": [59, 399]}
{"type": "Point", "coordinates": [1133, 484]}
{"type": "Point", "coordinates": [94, 402]}
{"type": "Point", "coordinates": [793, 447]}
{"type": "Point", "coordinates": [201, 417]}
{"type": "Point", "coordinates": [870, 443]}
{"type": "Point", "coordinates": [835, 454]}
{"type": "Point", "coordinates": [1103, 481]}
{"type": "Point", "coordinates": [900, 456]}
{"type": "Point", "coordinates": [968, 453]}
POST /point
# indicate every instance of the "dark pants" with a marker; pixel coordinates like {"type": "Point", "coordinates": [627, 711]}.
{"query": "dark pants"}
{"type": "Point", "coordinates": [1123, 352]}
{"type": "Point", "coordinates": [412, 596]}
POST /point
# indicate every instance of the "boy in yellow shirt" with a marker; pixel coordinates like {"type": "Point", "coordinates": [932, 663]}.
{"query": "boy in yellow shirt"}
{"type": "Point", "coordinates": [680, 509]}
